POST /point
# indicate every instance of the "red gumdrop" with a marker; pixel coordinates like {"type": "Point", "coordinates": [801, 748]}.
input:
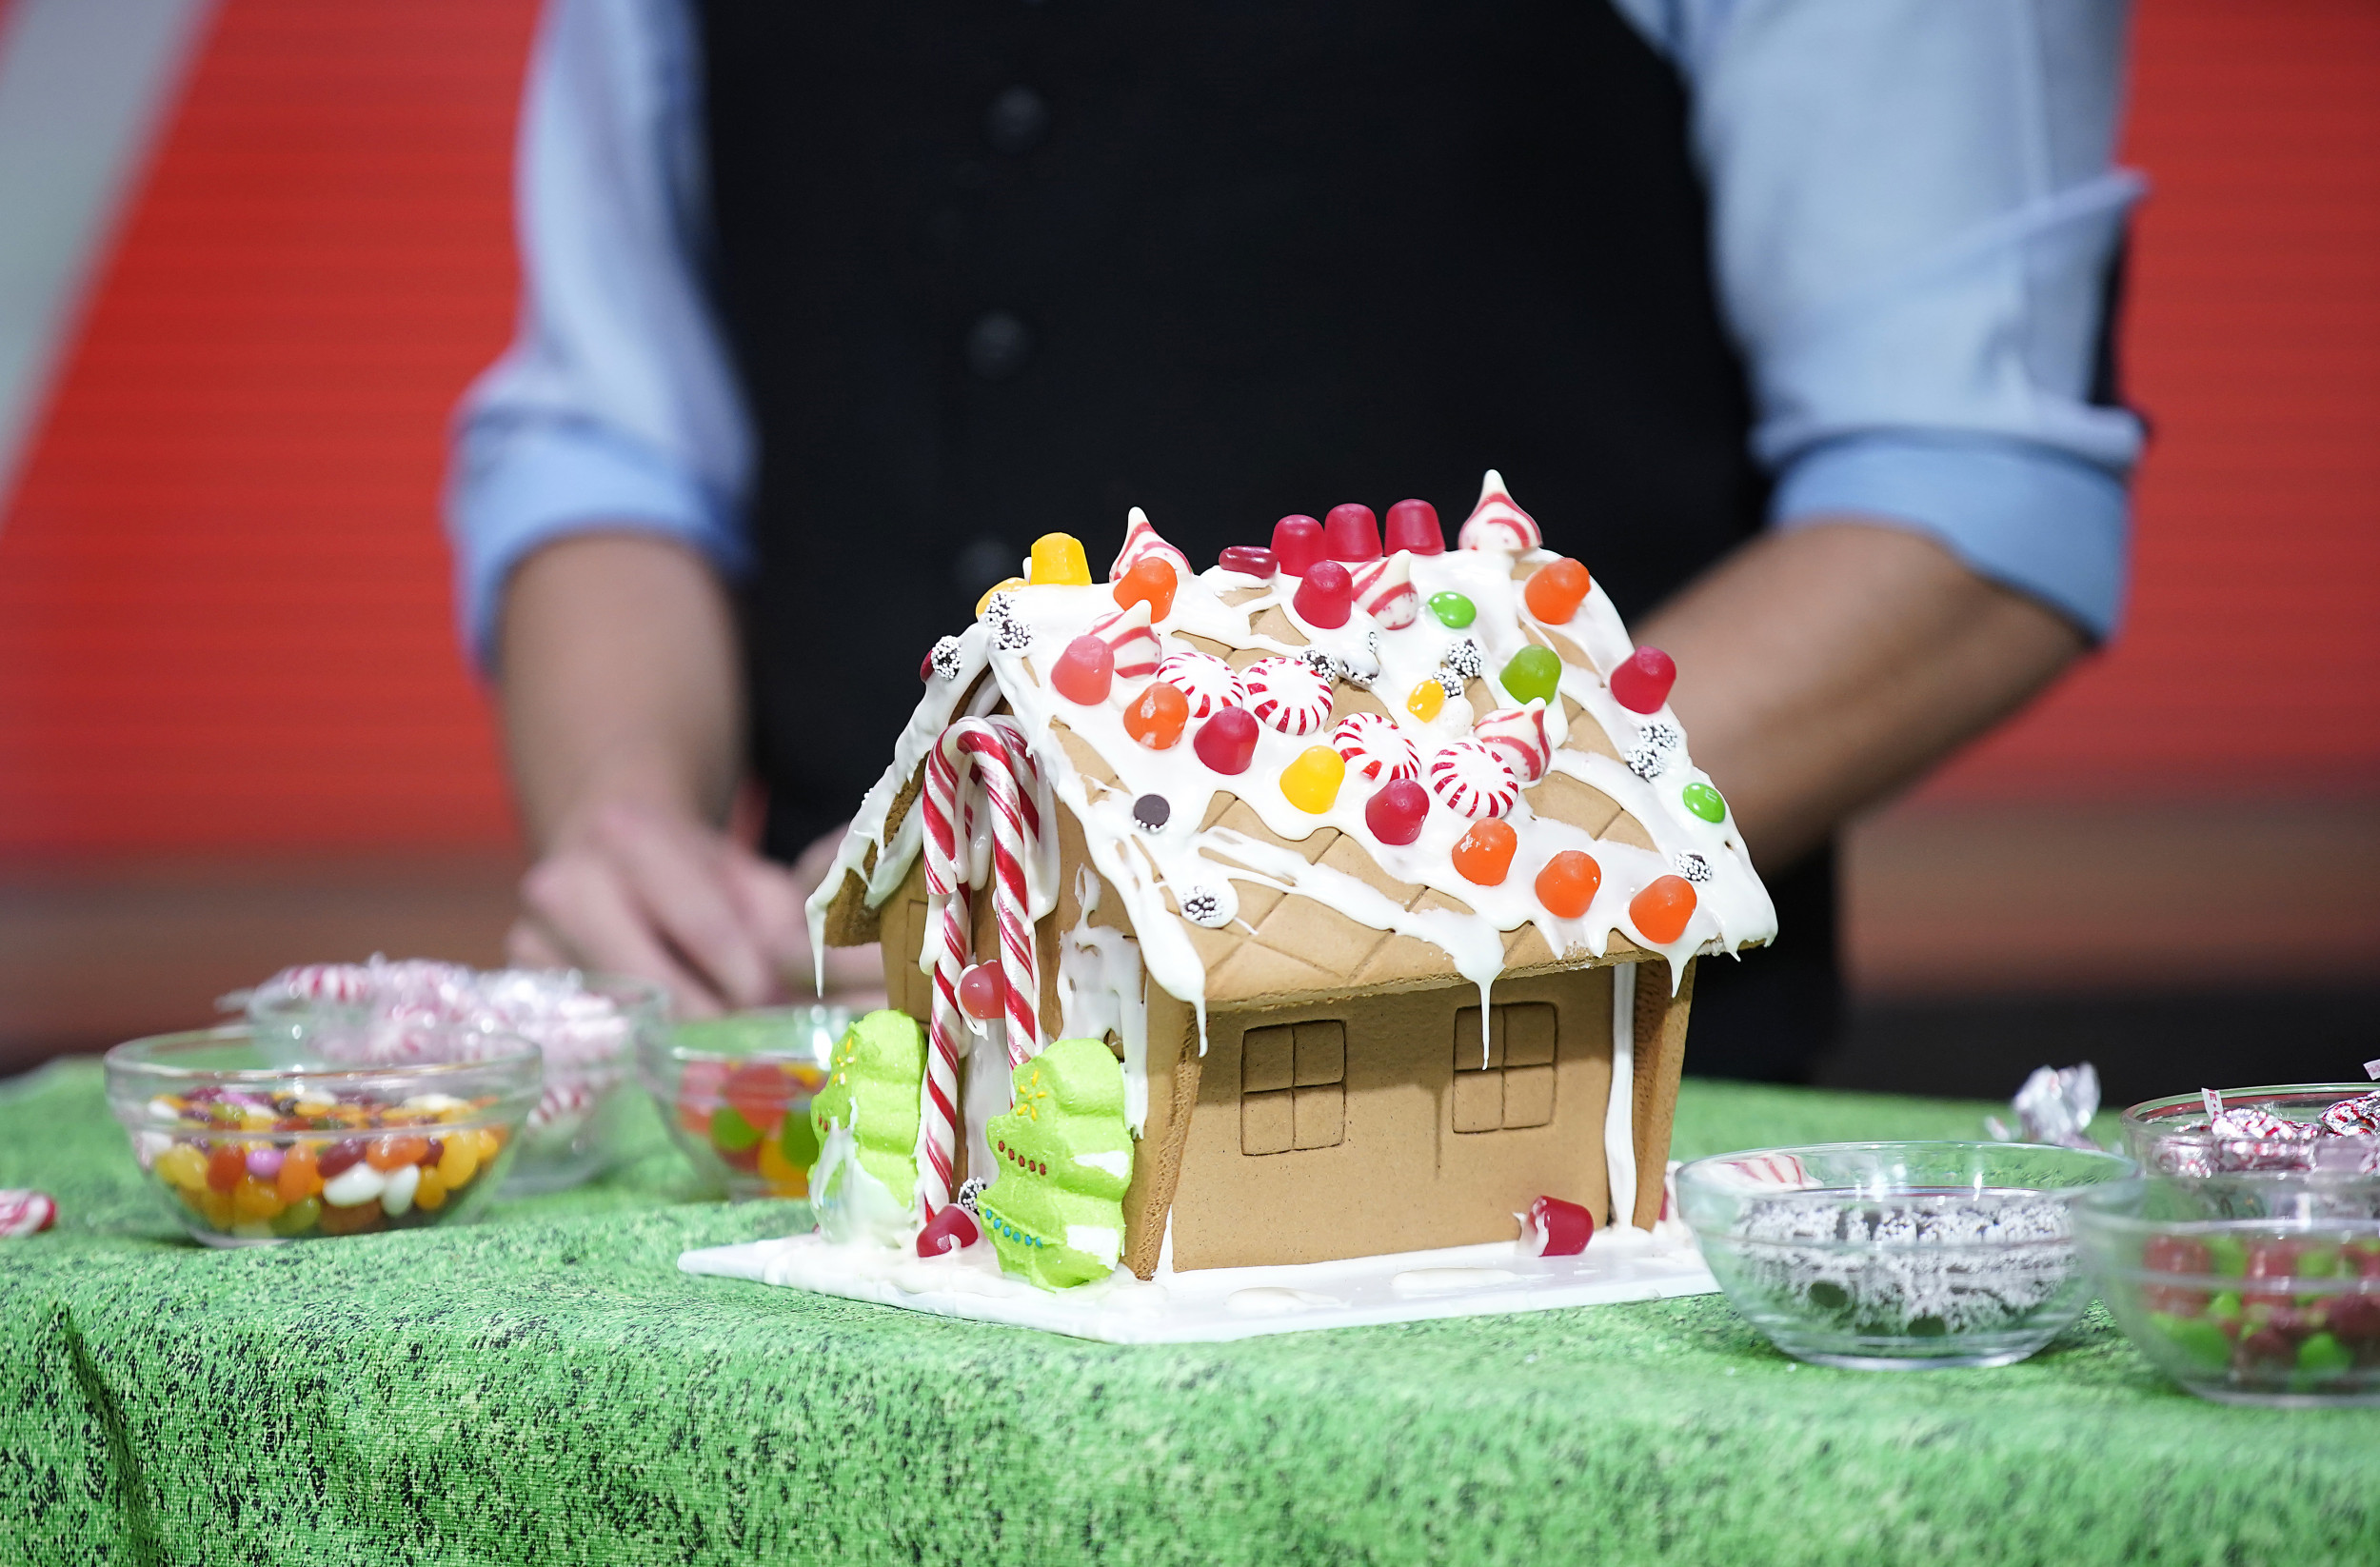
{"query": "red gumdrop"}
{"type": "Point", "coordinates": [1083, 671]}
{"type": "Point", "coordinates": [1412, 525]}
{"type": "Point", "coordinates": [951, 1229]}
{"type": "Point", "coordinates": [1227, 742]}
{"type": "Point", "coordinates": [1156, 716]}
{"type": "Point", "coordinates": [1297, 543]}
{"type": "Point", "coordinates": [1566, 1226]}
{"type": "Point", "coordinates": [1248, 560]}
{"type": "Point", "coordinates": [983, 994]}
{"type": "Point", "coordinates": [1350, 533]}
{"type": "Point", "coordinates": [1327, 596]}
{"type": "Point", "coordinates": [1642, 684]}
{"type": "Point", "coordinates": [1151, 578]}
{"type": "Point", "coordinates": [1394, 814]}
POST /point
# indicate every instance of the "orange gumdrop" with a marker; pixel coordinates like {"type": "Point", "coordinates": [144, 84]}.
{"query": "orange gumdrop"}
{"type": "Point", "coordinates": [1661, 910]}
{"type": "Point", "coordinates": [1568, 882]}
{"type": "Point", "coordinates": [1152, 579]}
{"type": "Point", "coordinates": [1157, 715]}
{"type": "Point", "coordinates": [1555, 593]}
{"type": "Point", "coordinates": [1485, 853]}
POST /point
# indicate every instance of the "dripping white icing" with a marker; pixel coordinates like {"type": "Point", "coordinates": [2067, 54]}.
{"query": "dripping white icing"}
{"type": "Point", "coordinates": [1100, 991]}
{"type": "Point", "coordinates": [1619, 1132]}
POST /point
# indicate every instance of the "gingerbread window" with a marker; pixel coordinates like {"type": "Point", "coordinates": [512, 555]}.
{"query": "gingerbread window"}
{"type": "Point", "coordinates": [1510, 1086]}
{"type": "Point", "coordinates": [1293, 1087]}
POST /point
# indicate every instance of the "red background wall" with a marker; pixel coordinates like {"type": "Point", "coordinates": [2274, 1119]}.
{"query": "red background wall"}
{"type": "Point", "coordinates": [224, 602]}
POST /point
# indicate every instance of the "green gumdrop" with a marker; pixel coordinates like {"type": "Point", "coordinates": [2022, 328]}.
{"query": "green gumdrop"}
{"type": "Point", "coordinates": [730, 1132]}
{"type": "Point", "coordinates": [2323, 1355]}
{"type": "Point", "coordinates": [1534, 674]}
{"type": "Point", "coordinates": [1065, 1157]}
{"type": "Point", "coordinates": [874, 1086]}
{"type": "Point", "coordinates": [1704, 801]}
{"type": "Point", "coordinates": [798, 1140]}
{"type": "Point", "coordinates": [2200, 1340]}
{"type": "Point", "coordinates": [1453, 610]}
{"type": "Point", "coordinates": [298, 1216]}
{"type": "Point", "coordinates": [2228, 1255]}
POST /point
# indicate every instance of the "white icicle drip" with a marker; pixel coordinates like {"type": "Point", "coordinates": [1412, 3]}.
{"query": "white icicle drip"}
{"type": "Point", "coordinates": [1619, 1131]}
{"type": "Point", "coordinates": [1100, 991]}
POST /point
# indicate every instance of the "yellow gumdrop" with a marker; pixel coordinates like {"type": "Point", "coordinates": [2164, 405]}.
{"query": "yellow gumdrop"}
{"type": "Point", "coordinates": [1000, 586]}
{"type": "Point", "coordinates": [1311, 780]}
{"type": "Point", "coordinates": [1058, 560]}
{"type": "Point", "coordinates": [1427, 699]}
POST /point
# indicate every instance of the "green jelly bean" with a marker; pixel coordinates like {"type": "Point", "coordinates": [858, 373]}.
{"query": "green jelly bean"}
{"type": "Point", "coordinates": [2225, 1307]}
{"type": "Point", "coordinates": [1533, 673]}
{"type": "Point", "coordinates": [2323, 1355]}
{"type": "Point", "coordinates": [2317, 1262]}
{"type": "Point", "coordinates": [798, 1139]}
{"type": "Point", "coordinates": [298, 1216]}
{"type": "Point", "coordinates": [730, 1132]}
{"type": "Point", "coordinates": [1453, 610]}
{"type": "Point", "coordinates": [2200, 1340]}
{"type": "Point", "coordinates": [2228, 1255]}
{"type": "Point", "coordinates": [1704, 801]}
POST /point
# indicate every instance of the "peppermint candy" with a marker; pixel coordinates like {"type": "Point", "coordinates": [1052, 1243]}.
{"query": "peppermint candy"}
{"type": "Point", "coordinates": [1517, 735]}
{"type": "Point", "coordinates": [24, 1212]}
{"type": "Point", "coordinates": [1133, 645]}
{"type": "Point", "coordinates": [1140, 542]}
{"type": "Point", "coordinates": [1383, 590]}
{"type": "Point", "coordinates": [1209, 683]}
{"type": "Point", "coordinates": [946, 658]}
{"type": "Point", "coordinates": [1287, 695]}
{"type": "Point", "coordinates": [1465, 658]}
{"type": "Point", "coordinates": [1471, 780]}
{"type": "Point", "coordinates": [1496, 524]}
{"type": "Point", "coordinates": [1375, 747]}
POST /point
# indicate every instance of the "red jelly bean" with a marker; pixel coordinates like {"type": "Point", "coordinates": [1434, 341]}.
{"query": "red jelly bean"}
{"type": "Point", "coordinates": [1327, 595]}
{"type": "Point", "coordinates": [1568, 883]}
{"type": "Point", "coordinates": [339, 1156]}
{"type": "Point", "coordinates": [1151, 578]}
{"type": "Point", "coordinates": [1642, 684]}
{"type": "Point", "coordinates": [1350, 533]}
{"type": "Point", "coordinates": [1555, 593]}
{"type": "Point", "coordinates": [759, 1091]}
{"type": "Point", "coordinates": [1565, 1226]}
{"type": "Point", "coordinates": [1156, 716]}
{"type": "Point", "coordinates": [224, 1166]}
{"type": "Point", "coordinates": [1227, 742]}
{"type": "Point", "coordinates": [1395, 813]}
{"type": "Point", "coordinates": [1662, 909]}
{"type": "Point", "coordinates": [1085, 672]}
{"type": "Point", "coordinates": [1484, 854]}
{"type": "Point", "coordinates": [951, 1229]}
{"type": "Point", "coordinates": [1248, 560]}
{"type": "Point", "coordinates": [1297, 543]}
{"type": "Point", "coordinates": [1412, 525]}
{"type": "Point", "coordinates": [983, 994]}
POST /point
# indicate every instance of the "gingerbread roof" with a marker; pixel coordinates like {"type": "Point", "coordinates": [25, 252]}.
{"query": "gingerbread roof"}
{"type": "Point", "coordinates": [1408, 747]}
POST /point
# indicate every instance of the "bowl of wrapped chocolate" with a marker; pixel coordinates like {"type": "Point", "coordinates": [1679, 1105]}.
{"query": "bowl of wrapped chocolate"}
{"type": "Point", "coordinates": [2294, 1129]}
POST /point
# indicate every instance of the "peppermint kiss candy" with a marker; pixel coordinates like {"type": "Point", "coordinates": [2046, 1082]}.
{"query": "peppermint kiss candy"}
{"type": "Point", "coordinates": [1471, 780]}
{"type": "Point", "coordinates": [1287, 695]}
{"type": "Point", "coordinates": [1209, 683]}
{"type": "Point", "coordinates": [1496, 524]}
{"type": "Point", "coordinates": [1375, 747]}
{"type": "Point", "coordinates": [1140, 542]}
{"type": "Point", "coordinates": [2354, 1117]}
{"type": "Point", "coordinates": [1384, 592]}
{"type": "Point", "coordinates": [1135, 647]}
{"type": "Point", "coordinates": [1517, 735]}
{"type": "Point", "coordinates": [24, 1212]}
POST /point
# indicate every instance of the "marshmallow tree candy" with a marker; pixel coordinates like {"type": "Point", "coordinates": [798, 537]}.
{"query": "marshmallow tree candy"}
{"type": "Point", "coordinates": [1384, 592]}
{"type": "Point", "coordinates": [1209, 683]}
{"type": "Point", "coordinates": [1350, 534]}
{"type": "Point", "coordinates": [1157, 716]}
{"type": "Point", "coordinates": [1483, 856]}
{"type": "Point", "coordinates": [1084, 672]}
{"type": "Point", "coordinates": [1412, 525]}
{"type": "Point", "coordinates": [1287, 695]}
{"type": "Point", "coordinates": [873, 1099]}
{"type": "Point", "coordinates": [1567, 885]}
{"type": "Point", "coordinates": [1375, 747]}
{"type": "Point", "coordinates": [1058, 560]}
{"type": "Point", "coordinates": [1248, 560]}
{"type": "Point", "coordinates": [1056, 1213]}
{"type": "Point", "coordinates": [1498, 525]}
{"type": "Point", "coordinates": [1395, 813]}
{"type": "Point", "coordinates": [1130, 643]}
{"type": "Point", "coordinates": [1518, 735]}
{"type": "Point", "coordinates": [1534, 674]}
{"type": "Point", "coordinates": [1297, 543]}
{"type": "Point", "coordinates": [1555, 592]}
{"type": "Point", "coordinates": [1312, 779]}
{"type": "Point", "coordinates": [1151, 581]}
{"type": "Point", "coordinates": [1454, 610]}
{"type": "Point", "coordinates": [1661, 910]}
{"type": "Point", "coordinates": [1471, 780]}
{"type": "Point", "coordinates": [1143, 543]}
{"type": "Point", "coordinates": [1642, 684]}
{"type": "Point", "coordinates": [1227, 742]}
{"type": "Point", "coordinates": [1327, 596]}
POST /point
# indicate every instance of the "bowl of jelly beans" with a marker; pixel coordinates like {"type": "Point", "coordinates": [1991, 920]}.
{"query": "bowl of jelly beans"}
{"type": "Point", "coordinates": [2251, 1288]}
{"type": "Point", "coordinates": [736, 1091]}
{"type": "Point", "coordinates": [244, 1150]}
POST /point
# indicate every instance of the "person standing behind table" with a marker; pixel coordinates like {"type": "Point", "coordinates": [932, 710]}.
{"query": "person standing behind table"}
{"type": "Point", "coordinates": [1790, 316]}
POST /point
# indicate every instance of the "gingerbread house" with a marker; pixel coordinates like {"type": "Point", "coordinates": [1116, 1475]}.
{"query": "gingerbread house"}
{"type": "Point", "coordinates": [1382, 869]}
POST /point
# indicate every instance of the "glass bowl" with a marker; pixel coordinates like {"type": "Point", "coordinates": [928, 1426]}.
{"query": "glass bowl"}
{"type": "Point", "coordinates": [735, 1092]}
{"type": "Point", "coordinates": [1898, 1256]}
{"type": "Point", "coordinates": [247, 1151]}
{"type": "Point", "coordinates": [2281, 1307]}
{"type": "Point", "coordinates": [2169, 1136]}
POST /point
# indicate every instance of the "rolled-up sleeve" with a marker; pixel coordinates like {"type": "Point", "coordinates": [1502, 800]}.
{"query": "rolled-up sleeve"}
{"type": "Point", "coordinates": [1914, 214]}
{"type": "Point", "coordinates": [615, 407]}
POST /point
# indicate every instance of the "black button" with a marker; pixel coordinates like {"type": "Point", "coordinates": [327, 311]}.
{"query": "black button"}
{"type": "Point", "coordinates": [997, 344]}
{"type": "Point", "coordinates": [1016, 120]}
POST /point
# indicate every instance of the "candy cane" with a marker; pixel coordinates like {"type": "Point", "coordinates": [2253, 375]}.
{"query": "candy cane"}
{"type": "Point", "coordinates": [990, 752]}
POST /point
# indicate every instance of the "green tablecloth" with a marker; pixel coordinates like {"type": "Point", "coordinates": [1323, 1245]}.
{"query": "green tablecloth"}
{"type": "Point", "coordinates": [545, 1386]}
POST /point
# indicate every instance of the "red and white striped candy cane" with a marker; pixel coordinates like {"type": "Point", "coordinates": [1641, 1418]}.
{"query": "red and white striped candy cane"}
{"type": "Point", "coordinates": [990, 753]}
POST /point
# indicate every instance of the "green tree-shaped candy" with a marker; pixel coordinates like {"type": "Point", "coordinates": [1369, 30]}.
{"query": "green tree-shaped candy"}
{"type": "Point", "coordinates": [1055, 1210]}
{"type": "Point", "coordinates": [873, 1087]}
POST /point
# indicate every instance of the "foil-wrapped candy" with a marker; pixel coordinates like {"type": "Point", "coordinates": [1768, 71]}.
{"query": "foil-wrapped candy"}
{"type": "Point", "coordinates": [2055, 1107]}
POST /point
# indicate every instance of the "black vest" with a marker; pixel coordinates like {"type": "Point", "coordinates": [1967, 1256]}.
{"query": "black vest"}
{"type": "Point", "coordinates": [994, 268]}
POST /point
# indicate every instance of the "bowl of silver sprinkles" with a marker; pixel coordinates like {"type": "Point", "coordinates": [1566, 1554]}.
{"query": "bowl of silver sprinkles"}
{"type": "Point", "coordinates": [1898, 1255]}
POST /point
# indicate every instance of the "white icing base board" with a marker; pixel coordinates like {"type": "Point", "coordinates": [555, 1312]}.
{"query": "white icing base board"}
{"type": "Point", "coordinates": [1215, 1305]}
